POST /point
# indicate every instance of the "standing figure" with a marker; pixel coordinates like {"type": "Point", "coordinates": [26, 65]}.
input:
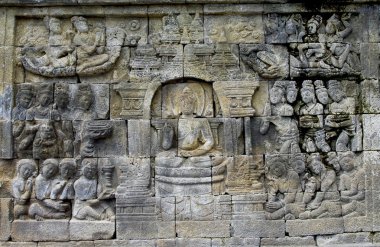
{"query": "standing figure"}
{"type": "Point", "coordinates": [341, 121]}
{"type": "Point", "coordinates": [311, 120]}
{"type": "Point", "coordinates": [22, 187]}
{"type": "Point", "coordinates": [280, 114]}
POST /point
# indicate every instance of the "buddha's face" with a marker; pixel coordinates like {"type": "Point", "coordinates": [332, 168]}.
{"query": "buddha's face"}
{"type": "Point", "coordinates": [187, 105]}
{"type": "Point", "coordinates": [311, 28]}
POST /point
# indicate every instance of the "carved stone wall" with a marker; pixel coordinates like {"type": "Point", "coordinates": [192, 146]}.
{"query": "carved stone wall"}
{"type": "Point", "coordinates": [189, 123]}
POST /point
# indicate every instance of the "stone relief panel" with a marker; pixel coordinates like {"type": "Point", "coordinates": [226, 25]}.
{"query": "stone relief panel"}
{"type": "Point", "coordinates": [195, 125]}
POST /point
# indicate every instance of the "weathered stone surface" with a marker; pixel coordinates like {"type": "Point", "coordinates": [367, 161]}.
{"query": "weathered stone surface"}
{"type": "Point", "coordinates": [233, 241]}
{"type": "Point", "coordinates": [18, 244]}
{"type": "Point", "coordinates": [203, 229]}
{"type": "Point", "coordinates": [288, 241]}
{"type": "Point", "coordinates": [6, 218]}
{"type": "Point", "coordinates": [67, 244]}
{"type": "Point", "coordinates": [314, 227]}
{"type": "Point", "coordinates": [258, 228]}
{"type": "Point", "coordinates": [91, 230]}
{"type": "Point", "coordinates": [127, 243]}
{"type": "Point", "coordinates": [363, 238]}
{"type": "Point", "coordinates": [151, 229]}
{"type": "Point", "coordinates": [23, 230]}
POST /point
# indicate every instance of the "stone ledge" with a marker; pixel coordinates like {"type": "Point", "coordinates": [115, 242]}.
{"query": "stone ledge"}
{"type": "Point", "coordinates": [30, 230]}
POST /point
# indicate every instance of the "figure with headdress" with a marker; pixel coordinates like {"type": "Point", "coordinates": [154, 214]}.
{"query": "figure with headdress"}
{"type": "Point", "coordinates": [61, 110]}
{"type": "Point", "coordinates": [322, 94]}
{"type": "Point", "coordinates": [280, 114]}
{"type": "Point", "coordinates": [311, 120]}
{"type": "Point", "coordinates": [22, 186]}
{"type": "Point", "coordinates": [83, 103]}
{"type": "Point", "coordinates": [59, 52]}
{"type": "Point", "coordinates": [90, 47]}
{"type": "Point", "coordinates": [24, 100]}
{"type": "Point", "coordinates": [341, 122]}
{"type": "Point", "coordinates": [295, 29]}
{"type": "Point", "coordinates": [43, 108]}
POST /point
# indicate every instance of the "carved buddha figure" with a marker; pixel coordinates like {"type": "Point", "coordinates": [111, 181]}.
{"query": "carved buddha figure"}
{"type": "Point", "coordinates": [46, 207]}
{"type": "Point", "coordinates": [194, 135]}
{"type": "Point", "coordinates": [90, 46]}
{"type": "Point", "coordinates": [24, 99]}
{"type": "Point", "coordinates": [22, 186]}
{"type": "Point", "coordinates": [87, 206]}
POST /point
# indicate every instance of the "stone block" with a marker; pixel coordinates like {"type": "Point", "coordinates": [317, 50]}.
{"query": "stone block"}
{"type": "Point", "coordinates": [361, 238]}
{"type": "Point", "coordinates": [6, 143]}
{"type": "Point", "coordinates": [204, 229]}
{"type": "Point", "coordinates": [139, 138]}
{"type": "Point", "coordinates": [258, 228]}
{"type": "Point", "coordinates": [7, 173]}
{"type": "Point", "coordinates": [91, 230]}
{"type": "Point", "coordinates": [358, 224]}
{"type": "Point", "coordinates": [18, 244]}
{"type": "Point", "coordinates": [144, 229]}
{"type": "Point", "coordinates": [370, 64]}
{"type": "Point", "coordinates": [288, 241]}
{"type": "Point", "coordinates": [6, 208]}
{"type": "Point", "coordinates": [126, 243]}
{"type": "Point", "coordinates": [314, 227]}
{"type": "Point", "coordinates": [30, 230]}
{"type": "Point", "coordinates": [199, 242]}
{"type": "Point", "coordinates": [230, 242]}
{"type": "Point", "coordinates": [67, 244]}
{"type": "Point", "coordinates": [371, 135]}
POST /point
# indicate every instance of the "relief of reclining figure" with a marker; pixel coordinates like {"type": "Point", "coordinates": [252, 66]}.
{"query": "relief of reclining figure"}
{"type": "Point", "coordinates": [83, 52]}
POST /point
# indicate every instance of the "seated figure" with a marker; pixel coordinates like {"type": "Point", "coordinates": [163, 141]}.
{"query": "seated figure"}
{"type": "Point", "coordinates": [22, 187]}
{"type": "Point", "coordinates": [47, 205]}
{"type": "Point", "coordinates": [87, 205]}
